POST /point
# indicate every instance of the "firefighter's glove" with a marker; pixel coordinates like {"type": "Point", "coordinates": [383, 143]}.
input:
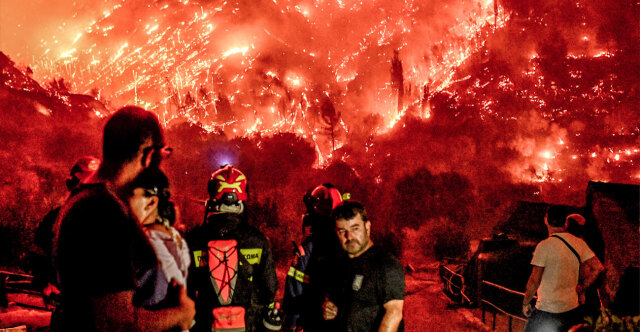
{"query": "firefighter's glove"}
{"type": "Point", "coordinates": [273, 317]}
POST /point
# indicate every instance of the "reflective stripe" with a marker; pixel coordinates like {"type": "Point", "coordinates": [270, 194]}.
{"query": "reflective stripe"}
{"type": "Point", "coordinates": [252, 255]}
{"type": "Point", "coordinates": [298, 275]}
{"type": "Point", "coordinates": [198, 259]}
{"type": "Point", "coordinates": [239, 329]}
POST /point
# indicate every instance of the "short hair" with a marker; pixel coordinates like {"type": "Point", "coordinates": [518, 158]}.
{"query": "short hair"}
{"type": "Point", "coordinates": [348, 210]}
{"type": "Point", "coordinates": [556, 215]}
{"type": "Point", "coordinates": [154, 180]}
{"type": "Point", "coordinates": [126, 130]}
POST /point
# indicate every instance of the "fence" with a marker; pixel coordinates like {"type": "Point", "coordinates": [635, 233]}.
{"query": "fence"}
{"type": "Point", "coordinates": [500, 299]}
{"type": "Point", "coordinates": [453, 282]}
{"type": "Point", "coordinates": [11, 282]}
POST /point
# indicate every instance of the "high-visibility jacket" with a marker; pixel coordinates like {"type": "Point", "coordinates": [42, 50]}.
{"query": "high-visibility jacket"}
{"type": "Point", "coordinates": [232, 275]}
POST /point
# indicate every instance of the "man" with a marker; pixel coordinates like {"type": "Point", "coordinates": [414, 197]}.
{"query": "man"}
{"type": "Point", "coordinates": [370, 281]}
{"type": "Point", "coordinates": [44, 273]}
{"type": "Point", "coordinates": [107, 269]}
{"type": "Point", "coordinates": [232, 276]}
{"type": "Point", "coordinates": [557, 267]}
{"type": "Point", "coordinates": [303, 296]}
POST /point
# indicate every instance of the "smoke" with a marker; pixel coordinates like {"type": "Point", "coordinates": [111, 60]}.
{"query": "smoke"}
{"type": "Point", "coordinates": [30, 28]}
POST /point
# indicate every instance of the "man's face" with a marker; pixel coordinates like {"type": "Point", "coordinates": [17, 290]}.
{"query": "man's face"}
{"type": "Point", "coordinates": [153, 154]}
{"type": "Point", "coordinates": [354, 235]}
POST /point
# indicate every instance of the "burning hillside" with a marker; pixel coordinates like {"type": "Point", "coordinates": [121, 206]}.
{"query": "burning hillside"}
{"type": "Point", "coordinates": [268, 66]}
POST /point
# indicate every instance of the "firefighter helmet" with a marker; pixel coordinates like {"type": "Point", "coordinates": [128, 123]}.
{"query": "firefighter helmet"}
{"type": "Point", "coordinates": [81, 170]}
{"type": "Point", "coordinates": [324, 198]}
{"type": "Point", "coordinates": [227, 187]}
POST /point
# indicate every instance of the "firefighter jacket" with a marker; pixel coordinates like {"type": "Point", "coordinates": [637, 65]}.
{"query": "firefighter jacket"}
{"type": "Point", "coordinates": [232, 274]}
{"type": "Point", "coordinates": [296, 283]}
{"type": "Point", "coordinates": [304, 285]}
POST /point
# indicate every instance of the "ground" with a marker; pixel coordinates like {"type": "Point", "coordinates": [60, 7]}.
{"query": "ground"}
{"type": "Point", "coordinates": [14, 316]}
{"type": "Point", "coordinates": [426, 308]}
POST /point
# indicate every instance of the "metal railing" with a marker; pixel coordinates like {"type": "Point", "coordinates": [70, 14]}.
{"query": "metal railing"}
{"type": "Point", "coordinates": [12, 282]}
{"type": "Point", "coordinates": [499, 308]}
{"type": "Point", "coordinates": [447, 276]}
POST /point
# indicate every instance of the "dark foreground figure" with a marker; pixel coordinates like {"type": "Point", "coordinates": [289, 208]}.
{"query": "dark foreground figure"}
{"type": "Point", "coordinates": [313, 263]}
{"type": "Point", "coordinates": [107, 268]}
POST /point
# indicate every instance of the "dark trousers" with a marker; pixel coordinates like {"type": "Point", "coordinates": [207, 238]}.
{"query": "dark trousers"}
{"type": "Point", "coordinates": [542, 321]}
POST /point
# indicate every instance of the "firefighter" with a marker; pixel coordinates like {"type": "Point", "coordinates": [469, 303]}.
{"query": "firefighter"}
{"type": "Point", "coordinates": [44, 272]}
{"type": "Point", "coordinates": [304, 291]}
{"type": "Point", "coordinates": [232, 278]}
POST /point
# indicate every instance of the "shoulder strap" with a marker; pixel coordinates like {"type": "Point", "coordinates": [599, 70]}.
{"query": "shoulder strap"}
{"type": "Point", "coordinates": [569, 246]}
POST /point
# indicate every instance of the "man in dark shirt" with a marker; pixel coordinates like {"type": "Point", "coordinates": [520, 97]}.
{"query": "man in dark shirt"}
{"type": "Point", "coordinates": [368, 293]}
{"type": "Point", "coordinates": [106, 266]}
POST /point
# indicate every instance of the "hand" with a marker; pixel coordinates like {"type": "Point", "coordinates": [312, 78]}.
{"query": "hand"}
{"type": "Point", "coordinates": [51, 296]}
{"type": "Point", "coordinates": [50, 289]}
{"type": "Point", "coordinates": [527, 309]}
{"type": "Point", "coordinates": [186, 306]}
{"type": "Point", "coordinates": [329, 310]}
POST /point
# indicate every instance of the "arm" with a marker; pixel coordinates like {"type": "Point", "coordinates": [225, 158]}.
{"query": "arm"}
{"type": "Point", "coordinates": [268, 281]}
{"type": "Point", "coordinates": [115, 312]}
{"type": "Point", "coordinates": [392, 316]}
{"type": "Point", "coordinates": [294, 288]}
{"type": "Point", "coordinates": [590, 270]}
{"type": "Point", "coordinates": [532, 284]}
{"type": "Point", "coordinates": [393, 288]}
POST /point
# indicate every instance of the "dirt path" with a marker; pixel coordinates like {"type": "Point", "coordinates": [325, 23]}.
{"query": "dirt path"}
{"type": "Point", "coordinates": [428, 309]}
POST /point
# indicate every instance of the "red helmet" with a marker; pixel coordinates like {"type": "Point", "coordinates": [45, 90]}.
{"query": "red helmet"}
{"type": "Point", "coordinates": [81, 170]}
{"type": "Point", "coordinates": [228, 185]}
{"type": "Point", "coordinates": [325, 198]}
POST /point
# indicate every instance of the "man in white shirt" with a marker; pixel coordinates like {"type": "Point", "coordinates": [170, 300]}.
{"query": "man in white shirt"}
{"type": "Point", "coordinates": [555, 276]}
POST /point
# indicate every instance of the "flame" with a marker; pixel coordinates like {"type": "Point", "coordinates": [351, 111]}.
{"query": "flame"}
{"type": "Point", "coordinates": [181, 50]}
{"type": "Point", "coordinates": [236, 50]}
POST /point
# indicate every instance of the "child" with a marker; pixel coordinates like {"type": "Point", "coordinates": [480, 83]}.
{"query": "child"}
{"type": "Point", "coordinates": [150, 205]}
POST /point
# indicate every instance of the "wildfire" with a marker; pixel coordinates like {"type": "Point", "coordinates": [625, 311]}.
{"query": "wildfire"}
{"type": "Point", "coordinates": [314, 67]}
{"type": "Point", "coordinates": [183, 48]}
